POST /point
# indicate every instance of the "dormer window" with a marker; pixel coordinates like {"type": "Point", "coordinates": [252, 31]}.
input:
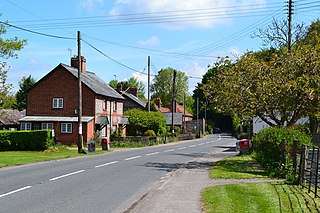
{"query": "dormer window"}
{"type": "Point", "coordinates": [57, 103]}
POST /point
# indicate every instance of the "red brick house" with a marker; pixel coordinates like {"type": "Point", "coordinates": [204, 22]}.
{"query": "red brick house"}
{"type": "Point", "coordinates": [52, 103]}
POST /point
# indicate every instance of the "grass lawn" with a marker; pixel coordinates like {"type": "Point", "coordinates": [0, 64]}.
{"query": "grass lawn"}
{"type": "Point", "coordinates": [237, 168]}
{"type": "Point", "coordinates": [14, 158]}
{"type": "Point", "coordinates": [258, 197]}
{"type": "Point", "coordinates": [253, 197]}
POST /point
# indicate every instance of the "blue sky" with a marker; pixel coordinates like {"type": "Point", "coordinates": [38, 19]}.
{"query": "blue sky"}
{"type": "Point", "coordinates": [187, 35]}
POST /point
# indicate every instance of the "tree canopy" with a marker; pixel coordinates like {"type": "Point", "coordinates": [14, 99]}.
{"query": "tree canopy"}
{"type": "Point", "coordinates": [21, 96]}
{"type": "Point", "coordinates": [163, 84]}
{"type": "Point", "coordinates": [130, 83]}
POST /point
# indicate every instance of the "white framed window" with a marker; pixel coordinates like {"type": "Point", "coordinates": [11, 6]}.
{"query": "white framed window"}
{"type": "Point", "coordinates": [46, 126]}
{"type": "Point", "coordinates": [25, 126]}
{"type": "Point", "coordinates": [57, 103]}
{"type": "Point", "coordinates": [114, 106]}
{"type": "Point", "coordinates": [66, 128]}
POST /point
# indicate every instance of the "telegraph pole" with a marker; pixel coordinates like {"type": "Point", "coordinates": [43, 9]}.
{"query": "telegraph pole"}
{"type": "Point", "coordinates": [173, 98]}
{"type": "Point", "coordinates": [290, 9]}
{"type": "Point", "coordinates": [198, 129]}
{"type": "Point", "coordinates": [148, 83]}
{"type": "Point", "coordinates": [80, 139]}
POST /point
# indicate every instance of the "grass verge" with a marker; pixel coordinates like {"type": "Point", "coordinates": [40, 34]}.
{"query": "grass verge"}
{"type": "Point", "coordinates": [237, 168]}
{"type": "Point", "coordinates": [258, 197]}
{"type": "Point", "coordinates": [14, 158]}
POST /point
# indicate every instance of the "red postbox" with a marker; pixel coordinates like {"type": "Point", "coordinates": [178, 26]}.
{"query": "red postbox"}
{"type": "Point", "coordinates": [105, 143]}
{"type": "Point", "coordinates": [244, 145]}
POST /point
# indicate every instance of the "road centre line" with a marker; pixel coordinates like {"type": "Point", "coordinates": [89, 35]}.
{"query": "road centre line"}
{"type": "Point", "coordinates": [106, 164]}
{"type": "Point", "coordinates": [200, 144]}
{"type": "Point", "coordinates": [15, 191]}
{"type": "Point", "coordinates": [169, 150]}
{"type": "Point", "coordinates": [66, 175]}
{"type": "Point", "coordinates": [192, 146]}
{"type": "Point", "coordinates": [182, 147]}
{"type": "Point", "coordinates": [207, 142]}
{"type": "Point", "coordinates": [133, 157]}
{"type": "Point", "coordinates": [153, 153]}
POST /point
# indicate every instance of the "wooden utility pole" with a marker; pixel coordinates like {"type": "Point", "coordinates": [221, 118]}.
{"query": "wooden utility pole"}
{"type": "Point", "coordinates": [198, 129]}
{"type": "Point", "coordinates": [173, 98]}
{"type": "Point", "coordinates": [80, 139]}
{"type": "Point", "coordinates": [148, 83]}
{"type": "Point", "coordinates": [290, 9]}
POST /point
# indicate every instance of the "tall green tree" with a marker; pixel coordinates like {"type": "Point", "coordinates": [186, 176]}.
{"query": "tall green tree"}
{"type": "Point", "coordinates": [130, 83]}
{"type": "Point", "coordinates": [8, 49]}
{"type": "Point", "coordinates": [21, 96]}
{"type": "Point", "coordinates": [163, 83]}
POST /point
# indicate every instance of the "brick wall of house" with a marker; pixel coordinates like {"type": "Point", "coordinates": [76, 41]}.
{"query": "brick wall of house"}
{"type": "Point", "coordinates": [60, 84]}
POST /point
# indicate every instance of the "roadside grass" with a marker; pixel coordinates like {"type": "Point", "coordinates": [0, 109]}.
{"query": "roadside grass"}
{"type": "Point", "coordinates": [258, 197]}
{"type": "Point", "coordinates": [253, 197]}
{"type": "Point", "coordinates": [14, 158]}
{"type": "Point", "coordinates": [239, 167]}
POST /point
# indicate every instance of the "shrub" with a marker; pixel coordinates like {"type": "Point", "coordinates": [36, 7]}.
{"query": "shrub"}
{"type": "Point", "coordinates": [267, 147]}
{"type": "Point", "coordinates": [25, 140]}
{"type": "Point", "coordinates": [149, 133]}
{"type": "Point", "coordinates": [140, 121]}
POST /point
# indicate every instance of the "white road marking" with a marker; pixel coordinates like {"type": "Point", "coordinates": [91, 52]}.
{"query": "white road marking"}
{"type": "Point", "coordinates": [15, 191]}
{"type": "Point", "coordinates": [66, 175]}
{"type": "Point", "coordinates": [133, 157]}
{"type": "Point", "coordinates": [182, 147]}
{"type": "Point", "coordinates": [169, 150]}
{"type": "Point", "coordinates": [200, 144]}
{"type": "Point", "coordinates": [207, 142]}
{"type": "Point", "coordinates": [192, 146]}
{"type": "Point", "coordinates": [153, 153]}
{"type": "Point", "coordinates": [106, 164]}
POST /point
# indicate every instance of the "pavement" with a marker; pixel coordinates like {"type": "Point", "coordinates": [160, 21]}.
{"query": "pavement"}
{"type": "Point", "coordinates": [180, 190]}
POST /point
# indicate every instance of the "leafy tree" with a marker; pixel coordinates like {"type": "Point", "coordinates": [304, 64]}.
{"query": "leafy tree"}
{"type": "Point", "coordinates": [113, 84]}
{"type": "Point", "coordinates": [25, 85]}
{"type": "Point", "coordinates": [8, 48]}
{"type": "Point", "coordinates": [163, 83]}
{"type": "Point", "coordinates": [279, 91]}
{"type": "Point", "coordinates": [127, 85]}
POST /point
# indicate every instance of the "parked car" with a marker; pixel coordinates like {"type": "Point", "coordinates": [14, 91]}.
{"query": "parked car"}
{"type": "Point", "coordinates": [217, 130]}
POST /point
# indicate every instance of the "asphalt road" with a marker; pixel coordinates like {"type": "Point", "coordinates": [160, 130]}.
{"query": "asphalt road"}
{"type": "Point", "coordinates": [110, 182]}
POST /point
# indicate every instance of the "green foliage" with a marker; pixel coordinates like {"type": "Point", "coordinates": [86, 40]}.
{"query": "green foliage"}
{"type": "Point", "coordinates": [132, 82]}
{"type": "Point", "coordinates": [149, 133]}
{"type": "Point", "coordinates": [267, 146]}
{"type": "Point", "coordinates": [25, 140]}
{"type": "Point", "coordinates": [140, 121]}
{"type": "Point", "coordinates": [25, 85]}
{"type": "Point", "coordinates": [163, 84]}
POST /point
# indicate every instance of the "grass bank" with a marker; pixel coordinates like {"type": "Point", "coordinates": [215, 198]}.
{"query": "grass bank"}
{"type": "Point", "coordinates": [14, 158]}
{"type": "Point", "coordinates": [253, 197]}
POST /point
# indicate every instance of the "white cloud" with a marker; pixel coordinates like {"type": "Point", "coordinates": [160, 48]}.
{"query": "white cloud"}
{"type": "Point", "coordinates": [153, 41]}
{"type": "Point", "coordinates": [182, 14]}
{"type": "Point", "coordinates": [90, 5]}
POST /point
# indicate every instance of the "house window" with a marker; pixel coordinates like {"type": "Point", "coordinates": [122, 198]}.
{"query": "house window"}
{"type": "Point", "coordinates": [114, 106]}
{"type": "Point", "coordinates": [66, 128]}
{"type": "Point", "coordinates": [46, 126]}
{"type": "Point", "coordinates": [57, 103]}
{"type": "Point", "coordinates": [25, 126]}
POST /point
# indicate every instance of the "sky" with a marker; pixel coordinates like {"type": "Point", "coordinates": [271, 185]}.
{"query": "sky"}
{"type": "Point", "coordinates": [119, 35]}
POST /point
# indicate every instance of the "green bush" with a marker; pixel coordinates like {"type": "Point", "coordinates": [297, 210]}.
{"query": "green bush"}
{"type": "Point", "coordinates": [140, 121]}
{"type": "Point", "coordinates": [25, 140]}
{"type": "Point", "coordinates": [149, 133]}
{"type": "Point", "coordinates": [267, 147]}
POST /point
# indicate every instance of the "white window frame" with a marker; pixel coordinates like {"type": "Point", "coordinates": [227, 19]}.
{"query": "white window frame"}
{"type": "Point", "coordinates": [115, 108]}
{"type": "Point", "coordinates": [47, 126]}
{"type": "Point", "coordinates": [57, 103]}
{"type": "Point", "coordinates": [66, 127]}
{"type": "Point", "coordinates": [25, 126]}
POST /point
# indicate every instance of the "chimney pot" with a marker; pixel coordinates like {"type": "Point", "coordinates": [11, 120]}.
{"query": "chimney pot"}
{"type": "Point", "coordinates": [75, 63]}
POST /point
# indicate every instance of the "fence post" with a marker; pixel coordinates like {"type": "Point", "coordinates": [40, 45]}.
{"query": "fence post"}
{"type": "Point", "coordinates": [294, 153]}
{"type": "Point", "coordinates": [317, 169]}
{"type": "Point", "coordinates": [283, 152]}
{"type": "Point", "coordinates": [310, 179]}
{"type": "Point", "coordinates": [302, 164]}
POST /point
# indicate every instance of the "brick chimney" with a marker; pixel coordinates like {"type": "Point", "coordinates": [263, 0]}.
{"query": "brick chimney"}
{"type": "Point", "coordinates": [74, 63]}
{"type": "Point", "coordinates": [158, 102]}
{"type": "Point", "coordinates": [119, 87]}
{"type": "Point", "coordinates": [134, 91]}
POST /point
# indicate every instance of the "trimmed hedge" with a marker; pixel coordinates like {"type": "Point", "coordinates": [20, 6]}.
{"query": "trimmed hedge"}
{"type": "Point", "coordinates": [267, 147]}
{"type": "Point", "coordinates": [25, 140]}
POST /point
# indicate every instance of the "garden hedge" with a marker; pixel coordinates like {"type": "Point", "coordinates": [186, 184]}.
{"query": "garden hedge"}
{"type": "Point", "coordinates": [37, 140]}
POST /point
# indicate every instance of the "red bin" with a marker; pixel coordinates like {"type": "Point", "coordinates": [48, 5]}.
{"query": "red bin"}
{"type": "Point", "coordinates": [105, 143]}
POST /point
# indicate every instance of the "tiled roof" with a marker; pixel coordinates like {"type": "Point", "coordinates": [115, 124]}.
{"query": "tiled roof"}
{"type": "Point", "coordinates": [55, 119]}
{"type": "Point", "coordinates": [11, 116]}
{"type": "Point", "coordinates": [94, 82]}
{"type": "Point", "coordinates": [134, 98]}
